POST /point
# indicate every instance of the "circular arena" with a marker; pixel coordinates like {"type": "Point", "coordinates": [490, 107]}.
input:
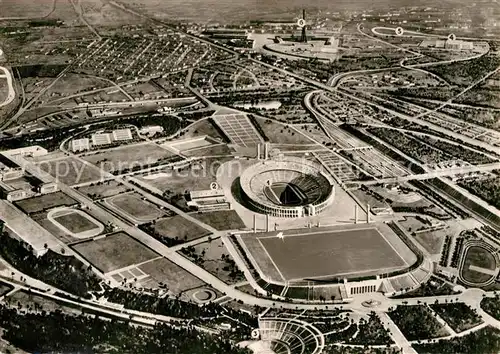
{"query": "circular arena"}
{"type": "Point", "coordinates": [287, 336]}
{"type": "Point", "coordinates": [289, 188]}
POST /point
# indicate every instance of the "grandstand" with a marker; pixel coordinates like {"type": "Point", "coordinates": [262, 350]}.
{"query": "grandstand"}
{"type": "Point", "coordinates": [287, 336]}
{"type": "Point", "coordinates": [290, 187]}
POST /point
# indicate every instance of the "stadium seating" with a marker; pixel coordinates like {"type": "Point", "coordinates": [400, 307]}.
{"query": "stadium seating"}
{"type": "Point", "coordinates": [306, 175]}
{"type": "Point", "coordinates": [291, 336]}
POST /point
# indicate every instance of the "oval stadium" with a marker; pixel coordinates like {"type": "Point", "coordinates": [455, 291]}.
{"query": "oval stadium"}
{"type": "Point", "coordinates": [291, 187]}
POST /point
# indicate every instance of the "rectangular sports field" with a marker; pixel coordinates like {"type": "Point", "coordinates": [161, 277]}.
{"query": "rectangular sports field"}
{"type": "Point", "coordinates": [129, 156]}
{"type": "Point", "coordinates": [75, 222]}
{"type": "Point", "coordinates": [45, 202]}
{"type": "Point", "coordinates": [114, 252]}
{"type": "Point", "coordinates": [71, 171]}
{"type": "Point", "coordinates": [132, 204]}
{"type": "Point", "coordinates": [313, 254]}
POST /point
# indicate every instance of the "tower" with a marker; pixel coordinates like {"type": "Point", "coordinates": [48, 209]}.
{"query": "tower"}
{"type": "Point", "coordinates": [303, 36]}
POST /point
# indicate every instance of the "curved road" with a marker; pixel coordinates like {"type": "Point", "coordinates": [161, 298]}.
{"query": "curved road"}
{"type": "Point", "coordinates": [10, 86]}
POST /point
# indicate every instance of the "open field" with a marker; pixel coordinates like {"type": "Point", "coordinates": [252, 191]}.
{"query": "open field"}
{"type": "Point", "coordinates": [103, 190]}
{"type": "Point", "coordinates": [127, 157]}
{"type": "Point", "coordinates": [214, 150]}
{"type": "Point", "coordinates": [114, 252]}
{"type": "Point", "coordinates": [134, 206]}
{"type": "Point", "coordinates": [5, 288]}
{"type": "Point", "coordinates": [479, 265]}
{"type": "Point", "coordinates": [197, 176]}
{"type": "Point", "coordinates": [214, 257]}
{"type": "Point", "coordinates": [75, 221]}
{"type": "Point", "coordinates": [45, 202]}
{"type": "Point", "coordinates": [221, 220]}
{"type": "Point", "coordinates": [282, 134]}
{"type": "Point", "coordinates": [202, 128]}
{"type": "Point", "coordinates": [180, 228]}
{"type": "Point", "coordinates": [72, 84]}
{"type": "Point", "coordinates": [331, 252]}
{"type": "Point", "coordinates": [176, 278]}
{"type": "Point", "coordinates": [70, 171]}
{"type": "Point", "coordinates": [43, 221]}
{"type": "Point", "coordinates": [431, 241]}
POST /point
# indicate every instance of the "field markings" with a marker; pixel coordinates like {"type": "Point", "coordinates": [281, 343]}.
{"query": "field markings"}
{"type": "Point", "coordinates": [133, 266]}
{"type": "Point", "coordinates": [392, 246]}
{"type": "Point", "coordinates": [482, 270]}
{"type": "Point", "coordinates": [272, 260]}
{"type": "Point", "coordinates": [381, 270]}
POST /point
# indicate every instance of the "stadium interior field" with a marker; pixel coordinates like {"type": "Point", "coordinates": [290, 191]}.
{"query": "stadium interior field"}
{"type": "Point", "coordinates": [328, 253]}
{"type": "Point", "coordinates": [282, 193]}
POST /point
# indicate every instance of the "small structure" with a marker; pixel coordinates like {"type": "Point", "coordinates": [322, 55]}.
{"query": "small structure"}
{"type": "Point", "coordinates": [78, 145]}
{"type": "Point", "coordinates": [151, 130]}
{"type": "Point", "coordinates": [101, 139]}
{"type": "Point", "coordinates": [209, 200]}
{"type": "Point", "coordinates": [122, 134]}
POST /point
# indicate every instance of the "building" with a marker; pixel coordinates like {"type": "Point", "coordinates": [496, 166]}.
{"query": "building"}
{"type": "Point", "coordinates": [99, 139]}
{"type": "Point", "coordinates": [9, 169]}
{"type": "Point", "coordinates": [122, 134]}
{"type": "Point", "coordinates": [209, 200]}
{"type": "Point", "coordinates": [288, 188]}
{"type": "Point", "coordinates": [28, 151]}
{"type": "Point", "coordinates": [78, 145]}
{"type": "Point", "coordinates": [151, 130]}
{"type": "Point", "coordinates": [455, 44]}
{"type": "Point", "coordinates": [47, 187]}
{"type": "Point", "coordinates": [12, 194]}
{"type": "Point", "coordinates": [22, 227]}
{"type": "Point", "coordinates": [331, 45]}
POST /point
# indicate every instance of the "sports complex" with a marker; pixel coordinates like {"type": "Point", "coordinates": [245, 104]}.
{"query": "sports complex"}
{"type": "Point", "coordinates": [358, 257]}
{"type": "Point", "coordinates": [291, 187]}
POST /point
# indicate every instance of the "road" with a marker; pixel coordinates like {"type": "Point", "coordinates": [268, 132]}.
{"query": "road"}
{"type": "Point", "coordinates": [24, 108]}
{"type": "Point", "coordinates": [446, 172]}
{"type": "Point", "coordinates": [11, 94]}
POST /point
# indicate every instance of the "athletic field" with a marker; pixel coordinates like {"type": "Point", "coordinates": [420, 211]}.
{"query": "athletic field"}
{"type": "Point", "coordinates": [327, 253]}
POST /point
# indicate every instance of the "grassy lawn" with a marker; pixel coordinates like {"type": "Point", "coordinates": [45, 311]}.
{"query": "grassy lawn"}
{"type": "Point", "coordinates": [430, 241]}
{"type": "Point", "coordinates": [133, 205]}
{"type": "Point", "coordinates": [75, 222]}
{"type": "Point", "coordinates": [174, 277]}
{"type": "Point", "coordinates": [214, 257]}
{"type": "Point", "coordinates": [71, 171]}
{"type": "Point", "coordinates": [479, 257]}
{"type": "Point", "coordinates": [114, 252]}
{"type": "Point", "coordinates": [221, 220]}
{"type": "Point", "coordinates": [180, 228]}
{"type": "Point", "coordinates": [103, 189]}
{"type": "Point", "coordinates": [44, 202]}
{"type": "Point", "coordinates": [281, 134]}
{"type": "Point", "coordinates": [128, 156]}
{"type": "Point", "coordinates": [5, 288]}
{"type": "Point", "coordinates": [194, 177]}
